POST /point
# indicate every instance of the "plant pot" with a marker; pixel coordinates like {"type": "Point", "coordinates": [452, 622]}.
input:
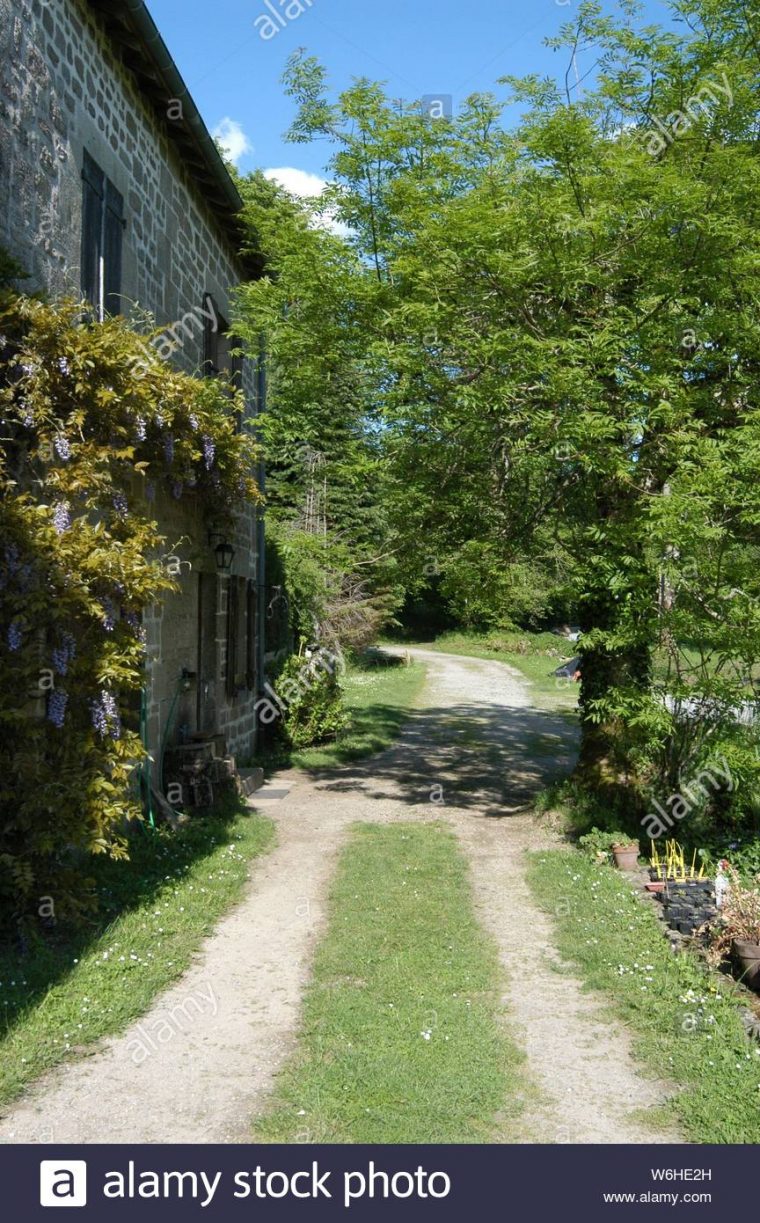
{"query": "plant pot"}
{"type": "Point", "coordinates": [658, 887]}
{"type": "Point", "coordinates": [626, 857]}
{"type": "Point", "coordinates": [748, 956]}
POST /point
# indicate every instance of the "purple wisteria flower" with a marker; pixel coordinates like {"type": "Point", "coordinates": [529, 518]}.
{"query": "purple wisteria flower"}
{"type": "Point", "coordinates": [141, 429]}
{"type": "Point", "coordinates": [169, 449]}
{"type": "Point", "coordinates": [120, 504]}
{"type": "Point", "coordinates": [27, 419]}
{"type": "Point", "coordinates": [109, 614]}
{"type": "Point", "coordinates": [62, 447]}
{"type": "Point", "coordinates": [177, 490]}
{"type": "Point", "coordinates": [195, 424]}
{"type": "Point", "coordinates": [64, 653]}
{"type": "Point", "coordinates": [160, 419]}
{"type": "Point", "coordinates": [209, 451]}
{"type": "Point", "coordinates": [98, 717]}
{"type": "Point", "coordinates": [28, 368]}
{"type": "Point", "coordinates": [56, 710]}
{"type": "Point", "coordinates": [61, 517]}
{"type": "Point", "coordinates": [15, 636]}
{"type": "Point", "coordinates": [104, 713]}
{"type": "Point", "coordinates": [64, 367]}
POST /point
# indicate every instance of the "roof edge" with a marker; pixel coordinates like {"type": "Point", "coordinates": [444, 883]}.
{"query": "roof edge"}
{"type": "Point", "coordinates": [145, 54]}
{"type": "Point", "coordinates": [151, 36]}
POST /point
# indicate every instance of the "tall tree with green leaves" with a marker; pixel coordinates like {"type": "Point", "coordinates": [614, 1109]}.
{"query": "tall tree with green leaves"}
{"type": "Point", "coordinates": [321, 429]}
{"type": "Point", "coordinates": [564, 340]}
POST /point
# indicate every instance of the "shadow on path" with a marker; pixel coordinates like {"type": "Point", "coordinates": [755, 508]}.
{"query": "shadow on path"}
{"type": "Point", "coordinates": [489, 758]}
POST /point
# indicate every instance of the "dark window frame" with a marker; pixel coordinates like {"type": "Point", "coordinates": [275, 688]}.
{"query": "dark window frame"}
{"type": "Point", "coordinates": [231, 363]}
{"type": "Point", "coordinates": [252, 628]}
{"type": "Point", "coordinates": [237, 644]}
{"type": "Point", "coordinates": [103, 225]}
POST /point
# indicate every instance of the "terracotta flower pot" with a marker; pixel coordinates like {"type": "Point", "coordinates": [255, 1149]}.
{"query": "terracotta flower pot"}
{"type": "Point", "coordinates": [626, 857]}
{"type": "Point", "coordinates": [658, 886]}
{"type": "Point", "coordinates": [748, 956]}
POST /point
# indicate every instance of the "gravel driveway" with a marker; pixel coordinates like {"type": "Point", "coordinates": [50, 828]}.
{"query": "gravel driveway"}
{"type": "Point", "coordinates": [199, 1066]}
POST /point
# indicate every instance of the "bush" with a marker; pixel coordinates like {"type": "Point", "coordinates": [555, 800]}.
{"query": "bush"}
{"type": "Point", "coordinates": [90, 413]}
{"type": "Point", "coordinates": [312, 692]}
{"type": "Point", "coordinates": [599, 845]}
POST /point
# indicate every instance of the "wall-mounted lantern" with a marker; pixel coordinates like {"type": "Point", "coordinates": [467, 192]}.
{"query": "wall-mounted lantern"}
{"type": "Point", "coordinates": [223, 551]}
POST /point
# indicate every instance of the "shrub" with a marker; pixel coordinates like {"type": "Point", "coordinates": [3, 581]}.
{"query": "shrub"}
{"type": "Point", "coordinates": [92, 420]}
{"type": "Point", "coordinates": [599, 844]}
{"type": "Point", "coordinates": [312, 692]}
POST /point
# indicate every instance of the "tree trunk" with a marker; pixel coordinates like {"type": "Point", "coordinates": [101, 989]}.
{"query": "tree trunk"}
{"type": "Point", "coordinates": [606, 766]}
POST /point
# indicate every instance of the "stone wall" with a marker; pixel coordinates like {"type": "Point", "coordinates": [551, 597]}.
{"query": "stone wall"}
{"type": "Point", "coordinates": [64, 90]}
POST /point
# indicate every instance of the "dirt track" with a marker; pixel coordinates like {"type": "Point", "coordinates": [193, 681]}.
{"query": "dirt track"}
{"type": "Point", "coordinates": [472, 755]}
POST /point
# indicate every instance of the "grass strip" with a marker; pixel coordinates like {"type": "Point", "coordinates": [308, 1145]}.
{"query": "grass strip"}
{"type": "Point", "coordinates": [60, 995]}
{"type": "Point", "coordinates": [400, 1041]}
{"type": "Point", "coordinates": [685, 1020]}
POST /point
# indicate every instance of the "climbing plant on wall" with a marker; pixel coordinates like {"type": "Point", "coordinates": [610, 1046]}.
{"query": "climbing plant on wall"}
{"type": "Point", "coordinates": [93, 426]}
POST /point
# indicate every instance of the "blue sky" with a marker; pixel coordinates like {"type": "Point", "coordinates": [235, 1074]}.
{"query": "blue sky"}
{"type": "Point", "coordinates": [233, 63]}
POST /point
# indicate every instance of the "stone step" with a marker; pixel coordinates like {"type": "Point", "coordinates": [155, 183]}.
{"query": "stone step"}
{"type": "Point", "coordinates": [251, 780]}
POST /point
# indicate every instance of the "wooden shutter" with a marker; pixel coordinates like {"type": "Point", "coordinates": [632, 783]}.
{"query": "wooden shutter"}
{"type": "Point", "coordinates": [232, 636]}
{"type": "Point", "coordinates": [93, 190]}
{"type": "Point", "coordinates": [210, 337]}
{"type": "Point", "coordinates": [102, 232]}
{"type": "Point", "coordinates": [251, 635]}
{"type": "Point", "coordinates": [113, 231]}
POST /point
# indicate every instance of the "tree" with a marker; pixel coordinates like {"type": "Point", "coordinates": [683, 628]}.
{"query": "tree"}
{"type": "Point", "coordinates": [565, 347]}
{"type": "Point", "coordinates": [320, 433]}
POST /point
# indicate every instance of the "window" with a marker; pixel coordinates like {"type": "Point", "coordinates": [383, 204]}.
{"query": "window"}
{"type": "Point", "coordinates": [102, 231]}
{"type": "Point", "coordinates": [237, 649]}
{"type": "Point", "coordinates": [253, 621]}
{"type": "Point", "coordinates": [215, 345]}
{"type": "Point", "coordinates": [221, 350]}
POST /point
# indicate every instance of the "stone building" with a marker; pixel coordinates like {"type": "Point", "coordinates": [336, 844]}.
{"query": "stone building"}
{"type": "Point", "coordinates": [112, 189]}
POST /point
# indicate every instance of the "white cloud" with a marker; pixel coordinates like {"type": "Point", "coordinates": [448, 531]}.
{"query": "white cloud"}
{"type": "Point", "coordinates": [232, 138]}
{"type": "Point", "coordinates": [297, 182]}
{"type": "Point", "coordinates": [304, 185]}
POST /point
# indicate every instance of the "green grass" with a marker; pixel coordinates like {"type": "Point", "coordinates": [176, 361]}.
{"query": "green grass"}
{"type": "Point", "coordinates": [534, 655]}
{"type": "Point", "coordinates": [401, 1041]}
{"type": "Point", "coordinates": [685, 1020]}
{"type": "Point", "coordinates": [378, 698]}
{"type": "Point", "coordinates": [60, 995]}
